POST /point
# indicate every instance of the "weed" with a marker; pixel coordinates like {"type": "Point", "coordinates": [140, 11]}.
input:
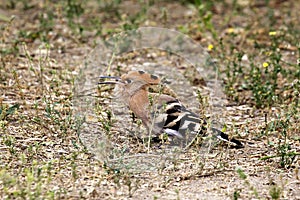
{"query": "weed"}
{"type": "Point", "coordinates": [109, 6]}
{"type": "Point", "coordinates": [234, 72]}
{"type": "Point", "coordinates": [284, 150]}
{"type": "Point", "coordinates": [8, 45]}
{"type": "Point", "coordinates": [26, 4]}
{"type": "Point", "coordinates": [5, 112]}
{"type": "Point", "coordinates": [10, 141]}
{"type": "Point", "coordinates": [74, 8]}
{"type": "Point", "coordinates": [275, 192]}
{"type": "Point", "coordinates": [74, 165]}
{"type": "Point", "coordinates": [205, 14]}
{"type": "Point", "coordinates": [97, 25]}
{"type": "Point", "coordinates": [287, 157]}
{"type": "Point", "coordinates": [105, 118]}
{"type": "Point", "coordinates": [31, 186]}
{"type": "Point", "coordinates": [243, 176]}
{"type": "Point", "coordinates": [132, 22]}
{"type": "Point", "coordinates": [263, 90]}
{"type": "Point", "coordinates": [236, 194]}
{"type": "Point", "coordinates": [46, 20]}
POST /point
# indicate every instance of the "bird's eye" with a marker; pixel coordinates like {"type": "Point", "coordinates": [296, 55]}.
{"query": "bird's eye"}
{"type": "Point", "coordinates": [154, 77]}
{"type": "Point", "coordinates": [128, 81]}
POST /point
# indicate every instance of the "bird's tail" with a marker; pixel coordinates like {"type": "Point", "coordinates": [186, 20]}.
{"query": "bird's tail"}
{"type": "Point", "coordinates": [223, 136]}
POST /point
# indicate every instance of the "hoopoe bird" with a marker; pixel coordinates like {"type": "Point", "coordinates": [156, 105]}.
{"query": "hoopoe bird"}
{"type": "Point", "coordinates": [161, 114]}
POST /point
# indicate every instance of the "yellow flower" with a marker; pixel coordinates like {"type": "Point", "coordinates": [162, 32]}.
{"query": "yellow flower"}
{"type": "Point", "coordinates": [210, 47]}
{"type": "Point", "coordinates": [272, 33]}
{"type": "Point", "coordinates": [265, 64]}
{"type": "Point", "coordinates": [268, 53]}
{"type": "Point", "coordinates": [230, 30]}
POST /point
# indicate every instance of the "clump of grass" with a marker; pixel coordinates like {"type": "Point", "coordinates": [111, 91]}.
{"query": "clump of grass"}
{"type": "Point", "coordinates": [47, 22]}
{"type": "Point", "coordinates": [133, 21]}
{"type": "Point", "coordinates": [122, 177]}
{"type": "Point", "coordinates": [205, 14]}
{"type": "Point", "coordinates": [31, 186]}
{"type": "Point", "coordinates": [244, 177]}
{"type": "Point", "coordinates": [5, 111]}
{"type": "Point", "coordinates": [26, 5]}
{"type": "Point", "coordinates": [282, 125]}
{"type": "Point", "coordinates": [73, 10]}
{"type": "Point", "coordinates": [8, 46]}
{"type": "Point", "coordinates": [287, 157]}
{"type": "Point", "coordinates": [105, 118]}
{"type": "Point", "coordinates": [275, 192]}
{"type": "Point", "coordinates": [266, 77]}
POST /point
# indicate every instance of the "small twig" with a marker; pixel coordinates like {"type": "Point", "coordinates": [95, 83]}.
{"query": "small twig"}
{"type": "Point", "coordinates": [278, 155]}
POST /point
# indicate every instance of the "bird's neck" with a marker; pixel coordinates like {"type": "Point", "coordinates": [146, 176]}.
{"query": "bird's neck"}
{"type": "Point", "coordinates": [139, 105]}
{"type": "Point", "coordinates": [139, 98]}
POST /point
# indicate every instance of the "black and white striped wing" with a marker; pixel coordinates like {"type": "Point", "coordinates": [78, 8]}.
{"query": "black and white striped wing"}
{"type": "Point", "coordinates": [180, 124]}
{"type": "Point", "coordinates": [183, 126]}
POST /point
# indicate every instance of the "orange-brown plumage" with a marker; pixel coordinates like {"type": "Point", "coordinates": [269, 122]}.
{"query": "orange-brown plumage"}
{"type": "Point", "coordinates": [160, 113]}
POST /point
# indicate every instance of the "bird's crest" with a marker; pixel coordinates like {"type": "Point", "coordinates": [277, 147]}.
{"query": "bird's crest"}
{"type": "Point", "coordinates": [141, 76]}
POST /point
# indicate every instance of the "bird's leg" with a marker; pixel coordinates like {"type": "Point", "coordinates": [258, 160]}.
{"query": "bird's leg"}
{"type": "Point", "coordinates": [133, 117]}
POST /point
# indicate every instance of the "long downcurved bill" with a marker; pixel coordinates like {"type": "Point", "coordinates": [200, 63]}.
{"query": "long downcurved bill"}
{"type": "Point", "coordinates": [103, 81]}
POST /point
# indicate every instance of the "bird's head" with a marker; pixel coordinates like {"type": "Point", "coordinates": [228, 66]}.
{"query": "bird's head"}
{"type": "Point", "coordinates": [128, 84]}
